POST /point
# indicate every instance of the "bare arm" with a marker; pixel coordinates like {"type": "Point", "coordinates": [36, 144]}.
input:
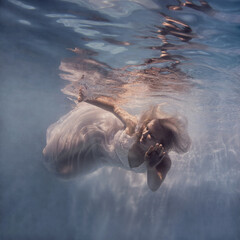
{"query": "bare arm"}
{"type": "Point", "coordinates": [163, 167]}
{"type": "Point", "coordinates": [127, 119]}
{"type": "Point", "coordinates": [158, 165]}
{"type": "Point", "coordinates": [156, 176]}
{"type": "Point", "coordinates": [154, 155]}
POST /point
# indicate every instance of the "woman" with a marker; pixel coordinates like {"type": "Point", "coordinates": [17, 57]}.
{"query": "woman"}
{"type": "Point", "coordinates": [99, 133]}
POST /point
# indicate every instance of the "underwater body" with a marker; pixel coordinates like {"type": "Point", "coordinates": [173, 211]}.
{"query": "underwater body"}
{"type": "Point", "coordinates": [183, 55]}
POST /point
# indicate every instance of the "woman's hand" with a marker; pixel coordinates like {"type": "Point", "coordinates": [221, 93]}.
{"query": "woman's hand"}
{"type": "Point", "coordinates": [154, 155]}
{"type": "Point", "coordinates": [81, 94]}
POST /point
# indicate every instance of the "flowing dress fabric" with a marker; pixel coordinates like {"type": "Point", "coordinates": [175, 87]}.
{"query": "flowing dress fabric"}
{"type": "Point", "coordinates": [122, 144]}
{"type": "Point", "coordinates": [85, 139]}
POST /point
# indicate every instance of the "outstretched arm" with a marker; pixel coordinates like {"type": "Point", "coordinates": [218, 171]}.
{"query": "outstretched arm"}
{"type": "Point", "coordinates": [127, 119]}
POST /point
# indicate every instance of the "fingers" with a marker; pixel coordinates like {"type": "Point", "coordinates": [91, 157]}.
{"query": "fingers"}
{"type": "Point", "coordinates": [81, 94]}
{"type": "Point", "coordinates": [158, 149]}
{"type": "Point", "coordinates": [150, 150]}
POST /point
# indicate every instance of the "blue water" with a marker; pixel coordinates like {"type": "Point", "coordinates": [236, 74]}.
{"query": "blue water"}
{"type": "Point", "coordinates": [142, 52]}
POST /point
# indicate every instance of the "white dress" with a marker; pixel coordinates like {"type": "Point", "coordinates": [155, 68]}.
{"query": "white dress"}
{"type": "Point", "coordinates": [85, 139]}
{"type": "Point", "coordinates": [122, 144]}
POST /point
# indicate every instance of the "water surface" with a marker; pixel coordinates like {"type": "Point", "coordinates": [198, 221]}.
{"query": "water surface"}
{"type": "Point", "coordinates": [182, 54]}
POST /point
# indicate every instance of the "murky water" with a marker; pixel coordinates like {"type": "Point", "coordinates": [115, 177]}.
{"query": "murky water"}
{"type": "Point", "coordinates": [181, 53]}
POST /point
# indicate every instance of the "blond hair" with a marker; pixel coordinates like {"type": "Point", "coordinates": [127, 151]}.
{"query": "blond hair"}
{"type": "Point", "coordinates": [175, 129]}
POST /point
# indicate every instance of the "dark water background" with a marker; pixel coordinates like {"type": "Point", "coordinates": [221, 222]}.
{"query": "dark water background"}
{"type": "Point", "coordinates": [184, 54]}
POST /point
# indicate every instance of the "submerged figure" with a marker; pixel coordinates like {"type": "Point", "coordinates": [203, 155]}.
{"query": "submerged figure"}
{"type": "Point", "coordinates": [98, 133]}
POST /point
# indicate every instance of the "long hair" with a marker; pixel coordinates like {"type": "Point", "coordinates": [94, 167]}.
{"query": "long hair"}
{"type": "Point", "coordinates": [174, 127]}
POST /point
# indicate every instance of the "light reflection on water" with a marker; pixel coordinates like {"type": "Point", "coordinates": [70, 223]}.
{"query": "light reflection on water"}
{"type": "Point", "coordinates": [183, 54]}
